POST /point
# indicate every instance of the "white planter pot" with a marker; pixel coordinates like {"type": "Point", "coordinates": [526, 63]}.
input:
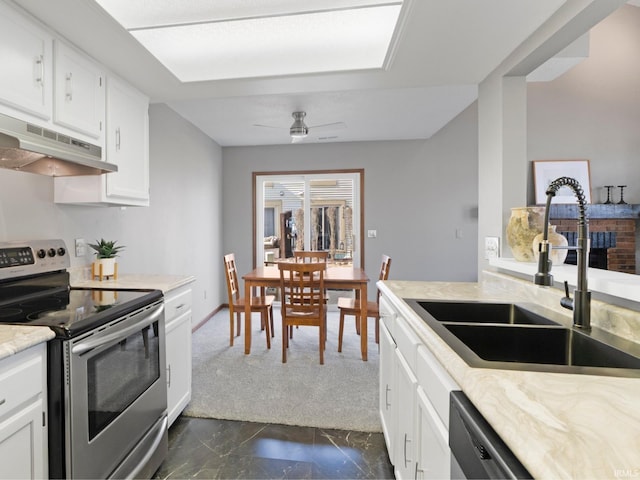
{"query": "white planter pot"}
{"type": "Point", "coordinates": [104, 267]}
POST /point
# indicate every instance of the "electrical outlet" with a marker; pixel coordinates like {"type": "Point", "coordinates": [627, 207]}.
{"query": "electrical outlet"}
{"type": "Point", "coordinates": [372, 233]}
{"type": "Point", "coordinates": [491, 247]}
{"type": "Point", "coordinates": [81, 247]}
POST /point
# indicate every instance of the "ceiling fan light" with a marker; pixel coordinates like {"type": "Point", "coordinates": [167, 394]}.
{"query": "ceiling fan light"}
{"type": "Point", "coordinates": [298, 128]}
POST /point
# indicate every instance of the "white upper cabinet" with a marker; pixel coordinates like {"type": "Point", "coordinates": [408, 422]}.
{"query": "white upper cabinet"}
{"type": "Point", "coordinates": [127, 146]}
{"type": "Point", "coordinates": [79, 93]}
{"type": "Point", "coordinates": [127, 142]}
{"type": "Point", "coordinates": [25, 50]}
{"type": "Point", "coordinates": [53, 84]}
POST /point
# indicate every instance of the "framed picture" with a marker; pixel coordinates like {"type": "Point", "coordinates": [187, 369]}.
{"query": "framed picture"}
{"type": "Point", "coordinates": [546, 171]}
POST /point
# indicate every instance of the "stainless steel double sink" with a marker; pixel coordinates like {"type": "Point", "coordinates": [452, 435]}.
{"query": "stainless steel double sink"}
{"type": "Point", "coordinates": [517, 336]}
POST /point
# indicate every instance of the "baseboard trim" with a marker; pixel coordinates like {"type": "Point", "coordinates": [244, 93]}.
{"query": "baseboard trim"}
{"type": "Point", "coordinates": [209, 317]}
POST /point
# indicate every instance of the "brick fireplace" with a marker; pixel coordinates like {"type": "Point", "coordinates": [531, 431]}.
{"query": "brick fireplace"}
{"type": "Point", "coordinates": [612, 229]}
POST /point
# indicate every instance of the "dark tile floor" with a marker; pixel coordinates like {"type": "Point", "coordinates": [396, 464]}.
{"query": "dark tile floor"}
{"type": "Point", "coordinates": [221, 449]}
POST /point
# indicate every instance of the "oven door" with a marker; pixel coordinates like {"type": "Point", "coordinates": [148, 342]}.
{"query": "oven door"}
{"type": "Point", "coordinates": [117, 392]}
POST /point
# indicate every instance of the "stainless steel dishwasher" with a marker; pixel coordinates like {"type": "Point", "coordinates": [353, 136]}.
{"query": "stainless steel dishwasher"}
{"type": "Point", "coordinates": [477, 450]}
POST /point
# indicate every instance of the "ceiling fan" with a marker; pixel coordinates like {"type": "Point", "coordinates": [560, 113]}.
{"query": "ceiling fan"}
{"type": "Point", "coordinates": [299, 130]}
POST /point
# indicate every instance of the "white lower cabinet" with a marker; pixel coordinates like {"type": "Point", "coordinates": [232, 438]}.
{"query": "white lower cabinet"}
{"type": "Point", "coordinates": [178, 341]}
{"type": "Point", "coordinates": [405, 450]}
{"type": "Point", "coordinates": [433, 458]}
{"type": "Point", "coordinates": [387, 387]}
{"type": "Point", "coordinates": [23, 431]}
{"type": "Point", "coordinates": [414, 400]}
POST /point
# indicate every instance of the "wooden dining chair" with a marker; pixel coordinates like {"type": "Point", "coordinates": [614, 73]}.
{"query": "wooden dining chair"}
{"type": "Point", "coordinates": [302, 296]}
{"type": "Point", "coordinates": [261, 303]}
{"type": "Point", "coordinates": [310, 256]}
{"type": "Point", "coordinates": [350, 306]}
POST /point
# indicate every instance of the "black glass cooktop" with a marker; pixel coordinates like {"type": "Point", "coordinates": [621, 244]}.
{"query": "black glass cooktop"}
{"type": "Point", "coordinates": [68, 312]}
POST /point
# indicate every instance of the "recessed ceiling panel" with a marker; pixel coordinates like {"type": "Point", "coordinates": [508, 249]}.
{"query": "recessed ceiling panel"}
{"type": "Point", "coordinates": [199, 41]}
{"type": "Point", "coordinates": [135, 14]}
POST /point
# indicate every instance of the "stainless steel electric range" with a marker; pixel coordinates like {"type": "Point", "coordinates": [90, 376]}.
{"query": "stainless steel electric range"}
{"type": "Point", "coordinates": [106, 387]}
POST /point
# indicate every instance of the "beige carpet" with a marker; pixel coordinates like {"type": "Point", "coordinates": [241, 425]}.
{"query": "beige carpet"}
{"type": "Point", "coordinates": [341, 394]}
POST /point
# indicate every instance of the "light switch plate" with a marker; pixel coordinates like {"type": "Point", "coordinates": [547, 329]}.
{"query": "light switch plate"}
{"type": "Point", "coordinates": [372, 233]}
{"type": "Point", "coordinates": [81, 247]}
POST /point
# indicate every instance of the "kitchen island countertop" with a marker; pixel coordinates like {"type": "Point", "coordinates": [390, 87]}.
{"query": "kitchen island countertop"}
{"type": "Point", "coordinates": [559, 425]}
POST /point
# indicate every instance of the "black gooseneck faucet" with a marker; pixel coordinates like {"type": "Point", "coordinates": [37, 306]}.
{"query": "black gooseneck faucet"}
{"type": "Point", "coordinates": [581, 301]}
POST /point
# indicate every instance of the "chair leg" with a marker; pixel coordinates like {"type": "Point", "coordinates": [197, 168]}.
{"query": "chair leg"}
{"type": "Point", "coordinates": [273, 331]}
{"type": "Point", "coordinates": [231, 329]}
{"type": "Point", "coordinates": [285, 343]}
{"type": "Point", "coordinates": [238, 322]}
{"type": "Point", "coordinates": [321, 345]}
{"type": "Point", "coordinates": [265, 321]}
{"type": "Point", "coordinates": [377, 330]}
{"type": "Point", "coordinates": [340, 331]}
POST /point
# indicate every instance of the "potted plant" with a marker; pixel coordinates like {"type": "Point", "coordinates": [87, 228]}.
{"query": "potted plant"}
{"type": "Point", "coordinates": [106, 253]}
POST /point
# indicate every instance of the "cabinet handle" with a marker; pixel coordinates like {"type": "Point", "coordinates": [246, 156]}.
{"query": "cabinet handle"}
{"type": "Point", "coordinates": [118, 138]}
{"type": "Point", "coordinates": [406, 440]}
{"type": "Point", "coordinates": [39, 70]}
{"type": "Point", "coordinates": [3, 401]}
{"type": "Point", "coordinates": [415, 475]}
{"type": "Point", "coordinates": [386, 397]}
{"type": "Point", "coordinates": [168, 376]}
{"type": "Point", "coordinates": [69, 88]}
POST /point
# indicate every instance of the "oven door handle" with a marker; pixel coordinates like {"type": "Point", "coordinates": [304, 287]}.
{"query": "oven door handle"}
{"type": "Point", "coordinates": [101, 340]}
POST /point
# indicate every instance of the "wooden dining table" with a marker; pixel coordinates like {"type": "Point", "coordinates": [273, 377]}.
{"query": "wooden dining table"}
{"type": "Point", "coordinates": [335, 277]}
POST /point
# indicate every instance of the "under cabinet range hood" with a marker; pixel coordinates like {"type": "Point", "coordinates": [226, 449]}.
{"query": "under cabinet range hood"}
{"type": "Point", "coordinates": [27, 147]}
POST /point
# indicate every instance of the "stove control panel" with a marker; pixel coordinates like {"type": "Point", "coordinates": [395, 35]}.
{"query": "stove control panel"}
{"type": "Point", "coordinates": [18, 259]}
{"type": "Point", "coordinates": [10, 257]}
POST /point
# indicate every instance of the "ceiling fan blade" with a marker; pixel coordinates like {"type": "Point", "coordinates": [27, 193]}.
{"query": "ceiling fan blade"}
{"type": "Point", "coordinates": [268, 126]}
{"type": "Point", "coordinates": [329, 126]}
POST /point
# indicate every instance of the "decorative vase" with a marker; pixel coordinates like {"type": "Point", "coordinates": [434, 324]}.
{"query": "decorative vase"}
{"type": "Point", "coordinates": [556, 239]}
{"type": "Point", "coordinates": [525, 223]}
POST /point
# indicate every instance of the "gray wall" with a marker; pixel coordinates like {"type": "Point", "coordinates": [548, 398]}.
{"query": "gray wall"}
{"type": "Point", "coordinates": [178, 234]}
{"type": "Point", "coordinates": [593, 111]}
{"type": "Point", "coordinates": [417, 195]}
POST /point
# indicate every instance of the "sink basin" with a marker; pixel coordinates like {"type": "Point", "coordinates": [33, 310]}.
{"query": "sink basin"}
{"type": "Point", "coordinates": [481, 312]}
{"type": "Point", "coordinates": [553, 346]}
{"type": "Point", "coordinates": [513, 336]}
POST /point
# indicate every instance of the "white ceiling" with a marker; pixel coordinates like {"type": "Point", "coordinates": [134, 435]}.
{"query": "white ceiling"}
{"type": "Point", "coordinates": [447, 47]}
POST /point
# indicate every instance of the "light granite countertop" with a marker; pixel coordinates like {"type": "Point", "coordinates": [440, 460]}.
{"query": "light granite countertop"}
{"type": "Point", "coordinates": [559, 425]}
{"type": "Point", "coordinates": [15, 338]}
{"type": "Point", "coordinates": [135, 281]}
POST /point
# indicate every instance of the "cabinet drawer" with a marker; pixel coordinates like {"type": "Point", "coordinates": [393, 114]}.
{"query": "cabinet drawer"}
{"type": "Point", "coordinates": [21, 378]}
{"type": "Point", "coordinates": [436, 382]}
{"type": "Point", "coordinates": [407, 341]}
{"type": "Point", "coordinates": [385, 308]}
{"type": "Point", "coordinates": [177, 302]}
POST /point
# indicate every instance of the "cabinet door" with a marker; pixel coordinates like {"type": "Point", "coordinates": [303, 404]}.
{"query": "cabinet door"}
{"type": "Point", "coordinates": [21, 444]}
{"type": "Point", "coordinates": [78, 96]}
{"type": "Point", "coordinates": [386, 386]}
{"type": "Point", "coordinates": [127, 142]}
{"type": "Point", "coordinates": [433, 456]}
{"type": "Point", "coordinates": [405, 448]}
{"type": "Point", "coordinates": [26, 75]}
{"type": "Point", "coordinates": [178, 334]}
